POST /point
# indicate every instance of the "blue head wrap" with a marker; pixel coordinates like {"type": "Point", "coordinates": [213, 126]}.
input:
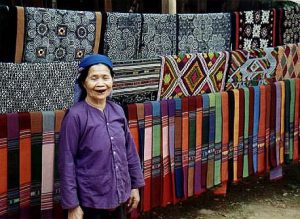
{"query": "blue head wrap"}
{"type": "Point", "coordinates": [94, 59]}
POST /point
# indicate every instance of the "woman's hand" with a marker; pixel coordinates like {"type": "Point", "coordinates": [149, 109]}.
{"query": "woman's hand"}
{"type": "Point", "coordinates": [75, 213]}
{"type": "Point", "coordinates": [133, 200]}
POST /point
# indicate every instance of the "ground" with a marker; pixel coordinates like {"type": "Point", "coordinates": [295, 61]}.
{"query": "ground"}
{"type": "Point", "coordinates": [254, 198]}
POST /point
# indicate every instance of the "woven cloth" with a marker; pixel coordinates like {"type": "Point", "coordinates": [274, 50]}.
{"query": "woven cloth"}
{"type": "Point", "coordinates": [250, 130]}
{"type": "Point", "coordinates": [287, 130]}
{"type": "Point", "coordinates": [225, 136]}
{"type": "Point", "coordinates": [136, 81]}
{"type": "Point", "coordinates": [246, 133]}
{"type": "Point", "coordinates": [158, 35]}
{"type": "Point", "coordinates": [241, 118]}
{"type": "Point", "coordinates": [278, 121]}
{"type": "Point", "coordinates": [122, 36]}
{"type": "Point", "coordinates": [273, 121]}
{"type": "Point", "coordinates": [261, 147]}
{"type": "Point", "coordinates": [25, 163]}
{"type": "Point", "coordinates": [192, 144]}
{"type": "Point", "coordinates": [288, 61]}
{"type": "Point", "coordinates": [3, 164]}
{"type": "Point", "coordinates": [192, 74]}
{"type": "Point", "coordinates": [185, 143]}
{"type": "Point", "coordinates": [296, 122]}
{"type": "Point", "coordinates": [211, 141]}
{"type": "Point", "coordinates": [255, 127]}
{"type": "Point", "coordinates": [236, 135]}
{"type": "Point", "coordinates": [255, 29]}
{"type": "Point", "coordinates": [218, 139]}
{"type": "Point", "coordinates": [292, 117]}
{"type": "Point", "coordinates": [204, 32]}
{"type": "Point", "coordinates": [205, 140]}
{"type": "Point", "coordinates": [282, 123]}
{"type": "Point", "coordinates": [231, 128]}
{"type": "Point", "coordinates": [251, 68]}
{"type": "Point", "coordinates": [268, 125]}
{"type": "Point", "coordinates": [57, 35]}
{"type": "Point", "coordinates": [290, 26]}
{"type": "Point", "coordinates": [48, 149]}
{"type": "Point", "coordinates": [36, 86]}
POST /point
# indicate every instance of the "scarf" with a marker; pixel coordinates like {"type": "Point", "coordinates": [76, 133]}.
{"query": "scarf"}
{"type": "Point", "coordinates": [192, 144]}
{"type": "Point", "coordinates": [3, 164]}
{"type": "Point", "coordinates": [261, 132]}
{"type": "Point", "coordinates": [235, 134]}
{"type": "Point", "coordinates": [282, 123]}
{"type": "Point", "coordinates": [246, 134]}
{"type": "Point", "coordinates": [273, 121]}
{"type": "Point", "coordinates": [218, 139]}
{"type": "Point", "coordinates": [287, 121]}
{"type": "Point", "coordinates": [241, 117]}
{"type": "Point", "coordinates": [278, 121]}
{"type": "Point", "coordinates": [296, 122]}
{"type": "Point", "coordinates": [250, 130]}
{"type": "Point", "coordinates": [292, 118]}
{"type": "Point", "coordinates": [255, 127]}
{"type": "Point", "coordinates": [267, 135]}
{"type": "Point", "coordinates": [185, 143]}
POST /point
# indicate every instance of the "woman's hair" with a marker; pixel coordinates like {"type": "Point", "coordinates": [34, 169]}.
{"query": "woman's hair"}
{"type": "Point", "coordinates": [82, 77]}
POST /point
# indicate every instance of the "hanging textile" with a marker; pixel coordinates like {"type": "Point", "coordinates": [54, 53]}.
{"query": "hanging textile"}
{"type": "Point", "coordinates": [198, 158]}
{"type": "Point", "coordinates": [122, 36]}
{"type": "Point", "coordinates": [8, 29]}
{"type": "Point", "coordinates": [57, 212]}
{"type": "Point", "coordinates": [136, 81]}
{"type": "Point", "coordinates": [255, 29]}
{"type": "Point", "coordinates": [146, 204]}
{"type": "Point", "coordinates": [25, 163]}
{"type": "Point", "coordinates": [158, 35]}
{"type": "Point", "coordinates": [211, 141]}
{"type": "Point", "coordinates": [204, 32]}
{"type": "Point", "coordinates": [156, 174]}
{"type": "Point", "coordinates": [205, 141]}
{"type": "Point", "coordinates": [50, 35]}
{"type": "Point", "coordinates": [225, 135]}
{"type": "Point", "coordinates": [3, 164]}
{"type": "Point", "coordinates": [141, 126]}
{"type": "Point", "coordinates": [267, 132]}
{"type": "Point", "coordinates": [192, 74]}
{"type": "Point", "coordinates": [289, 25]}
{"type": "Point", "coordinates": [231, 136]}
{"type": "Point", "coordinates": [36, 87]}
{"type": "Point", "coordinates": [241, 118]}
{"type": "Point", "coordinates": [192, 144]}
{"type": "Point", "coordinates": [296, 122]}
{"type": "Point", "coordinates": [261, 146]}
{"type": "Point", "coordinates": [287, 121]}
{"type": "Point", "coordinates": [171, 113]}
{"type": "Point", "coordinates": [36, 163]}
{"type": "Point", "coordinates": [185, 143]}
{"type": "Point", "coordinates": [256, 127]}
{"type": "Point", "coordinates": [250, 130]}
{"type": "Point", "coordinates": [48, 148]}
{"type": "Point", "coordinates": [178, 149]}
{"type": "Point", "coordinates": [273, 121]}
{"type": "Point", "coordinates": [282, 122]}
{"type": "Point", "coordinates": [166, 194]}
{"type": "Point", "coordinates": [246, 133]}
{"type": "Point", "coordinates": [251, 68]}
{"type": "Point", "coordinates": [133, 124]}
{"type": "Point", "coordinates": [236, 135]}
{"type": "Point", "coordinates": [13, 164]}
{"type": "Point", "coordinates": [291, 118]}
{"type": "Point", "coordinates": [218, 139]}
{"type": "Point", "coordinates": [278, 121]}
{"type": "Point", "coordinates": [288, 62]}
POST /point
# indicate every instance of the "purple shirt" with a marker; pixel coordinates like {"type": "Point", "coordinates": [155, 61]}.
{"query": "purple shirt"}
{"type": "Point", "coordinates": [98, 161]}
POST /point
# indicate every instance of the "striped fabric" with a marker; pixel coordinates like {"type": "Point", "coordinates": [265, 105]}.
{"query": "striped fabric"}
{"type": "Point", "coordinates": [261, 132]}
{"type": "Point", "coordinates": [225, 135]}
{"type": "Point", "coordinates": [255, 127]}
{"type": "Point", "coordinates": [198, 157]}
{"type": "Point", "coordinates": [231, 129]}
{"type": "Point", "coordinates": [211, 141]}
{"type": "Point", "coordinates": [267, 136]}
{"type": "Point", "coordinates": [141, 125]}
{"type": "Point", "coordinates": [236, 135]}
{"type": "Point", "coordinates": [246, 134]}
{"type": "Point", "coordinates": [218, 139]}
{"type": "Point", "coordinates": [287, 121]}
{"type": "Point", "coordinates": [273, 120]}
{"type": "Point", "coordinates": [241, 133]}
{"type": "Point", "coordinates": [292, 117]}
{"type": "Point", "coordinates": [166, 194]}
{"type": "Point", "coordinates": [178, 149]}
{"type": "Point", "coordinates": [146, 204]}
{"type": "Point", "coordinates": [13, 164]}
{"type": "Point", "coordinates": [156, 174]}
{"type": "Point", "coordinates": [250, 137]}
{"type": "Point", "coordinates": [278, 121]}
{"type": "Point", "coordinates": [282, 123]}
{"type": "Point", "coordinates": [47, 165]}
{"type": "Point", "coordinates": [192, 144]}
{"type": "Point", "coordinates": [185, 143]}
{"type": "Point", "coordinates": [133, 124]}
{"type": "Point", "coordinates": [296, 122]}
{"type": "Point", "coordinates": [3, 164]}
{"type": "Point", "coordinates": [205, 141]}
{"type": "Point", "coordinates": [25, 163]}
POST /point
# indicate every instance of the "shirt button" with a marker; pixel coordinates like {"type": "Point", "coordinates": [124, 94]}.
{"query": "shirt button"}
{"type": "Point", "coordinates": [114, 152]}
{"type": "Point", "coordinates": [117, 167]}
{"type": "Point", "coordinates": [107, 123]}
{"type": "Point", "coordinates": [111, 138]}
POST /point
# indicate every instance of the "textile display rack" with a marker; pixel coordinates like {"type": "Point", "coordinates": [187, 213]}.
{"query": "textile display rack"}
{"type": "Point", "coordinates": [211, 99]}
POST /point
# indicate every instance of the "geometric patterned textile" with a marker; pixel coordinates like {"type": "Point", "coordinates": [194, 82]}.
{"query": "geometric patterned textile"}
{"type": "Point", "coordinates": [135, 81]}
{"type": "Point", "coordinates": [122, 36]}
{"type": "Point", "coordinates": [255, 29]}
{"type": "Point", "coordinates": [204, 32]}
{"type": "Point", "coordinates": [36, 86]}
{"type": "Point", "coordinates": [192, 74]}
{"type": "Point", "coordinates": [59, 35]}
{"type": "Point", "coordinates": [291, 25]}
{"type": "Point", "coordinates": [288, 62]}
{"type": "Point", "coordinates": [158, 35]}
{"type": "Point", "coordinates": [251, 68]}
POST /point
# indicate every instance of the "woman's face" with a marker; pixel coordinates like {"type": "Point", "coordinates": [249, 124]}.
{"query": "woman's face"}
{"type": "Point", "coordinates": [98, 83]}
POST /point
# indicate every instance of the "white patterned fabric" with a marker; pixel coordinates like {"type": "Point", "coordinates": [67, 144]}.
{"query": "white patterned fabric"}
{"type": "Point", "coordinates": [291, 25]}
{"type": "Point", "coordinates": [36, 86]}
{"type": "Point", "coordinates": [122, 36]}
{"type": "Point", "coordinates": [58, 35]}
{"type": "Point", "coordinates": [204, 32]}
{"type": "Point", "coordinates": [158, 35]}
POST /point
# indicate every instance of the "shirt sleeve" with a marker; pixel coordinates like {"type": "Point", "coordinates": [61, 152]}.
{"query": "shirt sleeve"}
{"type": "Point", "coordinates": [134, 165]}
{"type": "Point", "coordinates": [68, 145]}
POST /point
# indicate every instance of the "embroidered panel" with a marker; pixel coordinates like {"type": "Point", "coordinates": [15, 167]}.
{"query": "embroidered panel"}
{"type": "Point", "coordinates": [251, 68]}
{"type": "Point", "coordinates": [122, 36]}
{"type": "Point", "coordinates": [255, 29]}
{"type": "Point", "coordinates": [204, 32]}
{"type": "Point", "coordinates": [37, 86]}
{"type": "Point", "coordinates": [291, 23]}
{"type": "Point", "coordinates": [192, 74]}
{"type": "Point", "coordinates": [158, 35]}
{"type": "Point", "coordinates": [59, 35]}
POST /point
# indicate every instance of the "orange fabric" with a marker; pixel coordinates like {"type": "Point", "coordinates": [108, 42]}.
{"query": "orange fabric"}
{"type": "Point", "coordinates": [235, 135]}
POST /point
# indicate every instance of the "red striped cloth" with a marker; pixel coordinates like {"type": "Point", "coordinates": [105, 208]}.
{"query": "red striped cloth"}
{"type": "Point", "coordinates": [251, 121]}
{"type": "Point", "coordinates": [281, 148]}
{"type": "Point", "coordinates": [261, 132]}
{"type": "Point", "coordinates": [185, 143]}
{"type": "Point", "coordinates": [273, 119]}
{"type": "Point", "coordinates": [3, 164]}
{"type": "Point", "coordinates": [25, 163]}
{"type": "Point", "coordinates": [133, 124]}
{"type": "Point", "coordinates": [267, 136]}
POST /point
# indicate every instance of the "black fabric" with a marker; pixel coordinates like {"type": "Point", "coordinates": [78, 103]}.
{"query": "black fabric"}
{"type": "Point", "coordinates": [92, 213]}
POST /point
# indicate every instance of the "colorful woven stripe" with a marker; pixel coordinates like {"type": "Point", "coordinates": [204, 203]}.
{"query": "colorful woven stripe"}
{"type": "Point", "coordinates": [185, 143]}
{"type": "Point", "coordinates": [296, 122]}
{"type": "Point", "coordinates": [3, 164]}
{"type": "Point", "coordinates": [205, 140]}
{"type": "Point", "coordinates": [287, 121]}
{"type": "Point", "coordinates": [255, 127]}
{"type": "Point", "coordinates": [218, 139]}
{"type": "Point", "coordinates": [251, 125]}
{"type": "Point", "coordinates": [211, 141]}
{"type": "Point", "coordinates": [267, 134]}
{"type": "Point", "coordinates": [273, 121]}
{"type": "Point", "coordinates": [278, 121]}
{"type": "Point", "coordinates": [241, 117]}
{"type": "Point", "coordinates": [225, 135]}
{"type": "Point", "coordinates": [282, 123]}
{"type": "Point", "coordinates": [261, 132]}
{"type": "Point", "coordinates": [246, 133]}
{"type": "Point", "coordinates": [292, 117]}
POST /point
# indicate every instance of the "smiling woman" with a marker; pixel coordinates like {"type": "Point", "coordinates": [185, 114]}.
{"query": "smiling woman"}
{"type": "Point", "coordinates": [99, 166]}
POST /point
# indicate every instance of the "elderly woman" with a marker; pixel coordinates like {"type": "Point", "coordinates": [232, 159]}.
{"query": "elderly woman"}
{"type": "Point", "coordinates": [100, 171]}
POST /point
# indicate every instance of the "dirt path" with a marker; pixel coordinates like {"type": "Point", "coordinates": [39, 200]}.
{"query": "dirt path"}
{"type": "Point", "coordinates": [255, 198]}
